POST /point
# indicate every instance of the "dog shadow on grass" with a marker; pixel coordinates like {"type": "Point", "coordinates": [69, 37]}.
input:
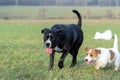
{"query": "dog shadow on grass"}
{"type": "Point", "coordinates": [106, 73]}
{"type": "Point", "coordinates": [81, 63]}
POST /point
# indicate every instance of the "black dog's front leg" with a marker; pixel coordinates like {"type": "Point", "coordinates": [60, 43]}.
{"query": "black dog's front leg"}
{"type": "Point", "coordinates": [51, 61]}
{"type": "Point", "coordinates": [62, 58]}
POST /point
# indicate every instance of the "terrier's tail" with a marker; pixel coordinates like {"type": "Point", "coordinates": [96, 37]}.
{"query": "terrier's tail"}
{"type": "Point", "coordinates": [115, 45]}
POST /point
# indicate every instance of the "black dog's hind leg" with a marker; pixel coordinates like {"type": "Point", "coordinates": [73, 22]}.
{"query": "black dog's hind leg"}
{"type": "Point", "coordinates": [74, 57]}
{"type": "Point", "coordinates": [74, 52]}
{"type": "Point", "coordinates": [51, 61]}
{"type": "Point", "coordinates": [62, 58]}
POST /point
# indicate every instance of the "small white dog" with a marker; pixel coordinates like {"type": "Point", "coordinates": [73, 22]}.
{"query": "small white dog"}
{"type": "Point", "coordinates": [102, 56]}
{"type": "Point", "coordinates": [107, 35]}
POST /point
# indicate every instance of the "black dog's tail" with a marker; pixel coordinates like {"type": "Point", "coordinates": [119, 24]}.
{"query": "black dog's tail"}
{"type": "Point", "coordinates": [79, 17]}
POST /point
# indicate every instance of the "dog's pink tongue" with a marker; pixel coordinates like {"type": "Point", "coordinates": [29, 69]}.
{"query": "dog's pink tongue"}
{"type": "Point", "coordinates": [88, 62]}
{"type": "Point", "coordinates": [49, 50]}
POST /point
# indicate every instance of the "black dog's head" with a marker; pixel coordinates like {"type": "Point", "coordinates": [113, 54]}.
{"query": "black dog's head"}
{"type": "Point", "coordinates": [51, 37]}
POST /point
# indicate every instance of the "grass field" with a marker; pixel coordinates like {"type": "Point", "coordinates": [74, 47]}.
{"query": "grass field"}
{"type": "Point", "coordinates": [23, 57]}
{"type": "Point", "coordinates": [34, 12]}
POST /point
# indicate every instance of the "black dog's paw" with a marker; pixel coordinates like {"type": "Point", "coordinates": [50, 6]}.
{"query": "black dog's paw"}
{"type": "Point", "coordinates": [71, 65]}
{"type": "Point", "coordinates": [60, 64]}
{"type": "Point", "coordinates": [50, 68]}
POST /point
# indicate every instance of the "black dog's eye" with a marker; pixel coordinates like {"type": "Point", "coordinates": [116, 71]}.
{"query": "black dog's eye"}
{"type": "Point", "coordinates": [51, 38]}
{"type": "Point", "coordinates": [47, 36]}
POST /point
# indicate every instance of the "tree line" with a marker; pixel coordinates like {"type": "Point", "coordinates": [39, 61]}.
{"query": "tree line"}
{"type": "Point", "coordinates": [61, 2]}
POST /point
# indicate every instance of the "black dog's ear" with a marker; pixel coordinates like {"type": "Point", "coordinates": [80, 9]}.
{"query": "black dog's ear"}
{"type": "Point", "coordinates": [59, 31]}
{"type": "Point", "coordinates": [44, 30]}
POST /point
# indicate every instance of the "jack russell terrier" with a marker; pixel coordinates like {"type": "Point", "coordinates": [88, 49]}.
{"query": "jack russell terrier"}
{"type": "Point", "coordinates": [103, 56]}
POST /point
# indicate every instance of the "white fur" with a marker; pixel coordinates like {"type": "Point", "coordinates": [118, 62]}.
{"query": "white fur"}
{"type": "Point", "coordinates": [48, 41]}
{"type": "Point", "coordinates": [58, 49]}
{"type": "Point", "coordinates": [104, 57]}
{"type": "Point", "coordinates": [107, 35]}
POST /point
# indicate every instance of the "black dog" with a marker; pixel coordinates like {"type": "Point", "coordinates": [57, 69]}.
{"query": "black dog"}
{"type": "Point", "coordinates": [65, 38]}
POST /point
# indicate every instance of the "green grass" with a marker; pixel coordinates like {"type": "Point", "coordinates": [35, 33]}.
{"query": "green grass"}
{"type": "Point", "coordinates": [23, 57]}
{"type": "Point", "coordinates": [33, 12]}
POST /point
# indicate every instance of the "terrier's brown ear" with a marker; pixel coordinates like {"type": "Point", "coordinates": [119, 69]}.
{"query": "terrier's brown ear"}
{"type": "Point", "coordinates": [98, 51]}
{"type": "Point", "coordinates": [87, 48]}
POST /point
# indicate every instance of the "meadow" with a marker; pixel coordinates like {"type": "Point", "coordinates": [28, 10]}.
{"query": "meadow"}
{"type": "Point", "coordinates": [23, 57]}
{"type": "Point", "coordinates": [40, 12]}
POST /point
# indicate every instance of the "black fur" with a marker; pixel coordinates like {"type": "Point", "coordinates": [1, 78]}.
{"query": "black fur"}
{"type": "Point", "coordinates": [68, 37]}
